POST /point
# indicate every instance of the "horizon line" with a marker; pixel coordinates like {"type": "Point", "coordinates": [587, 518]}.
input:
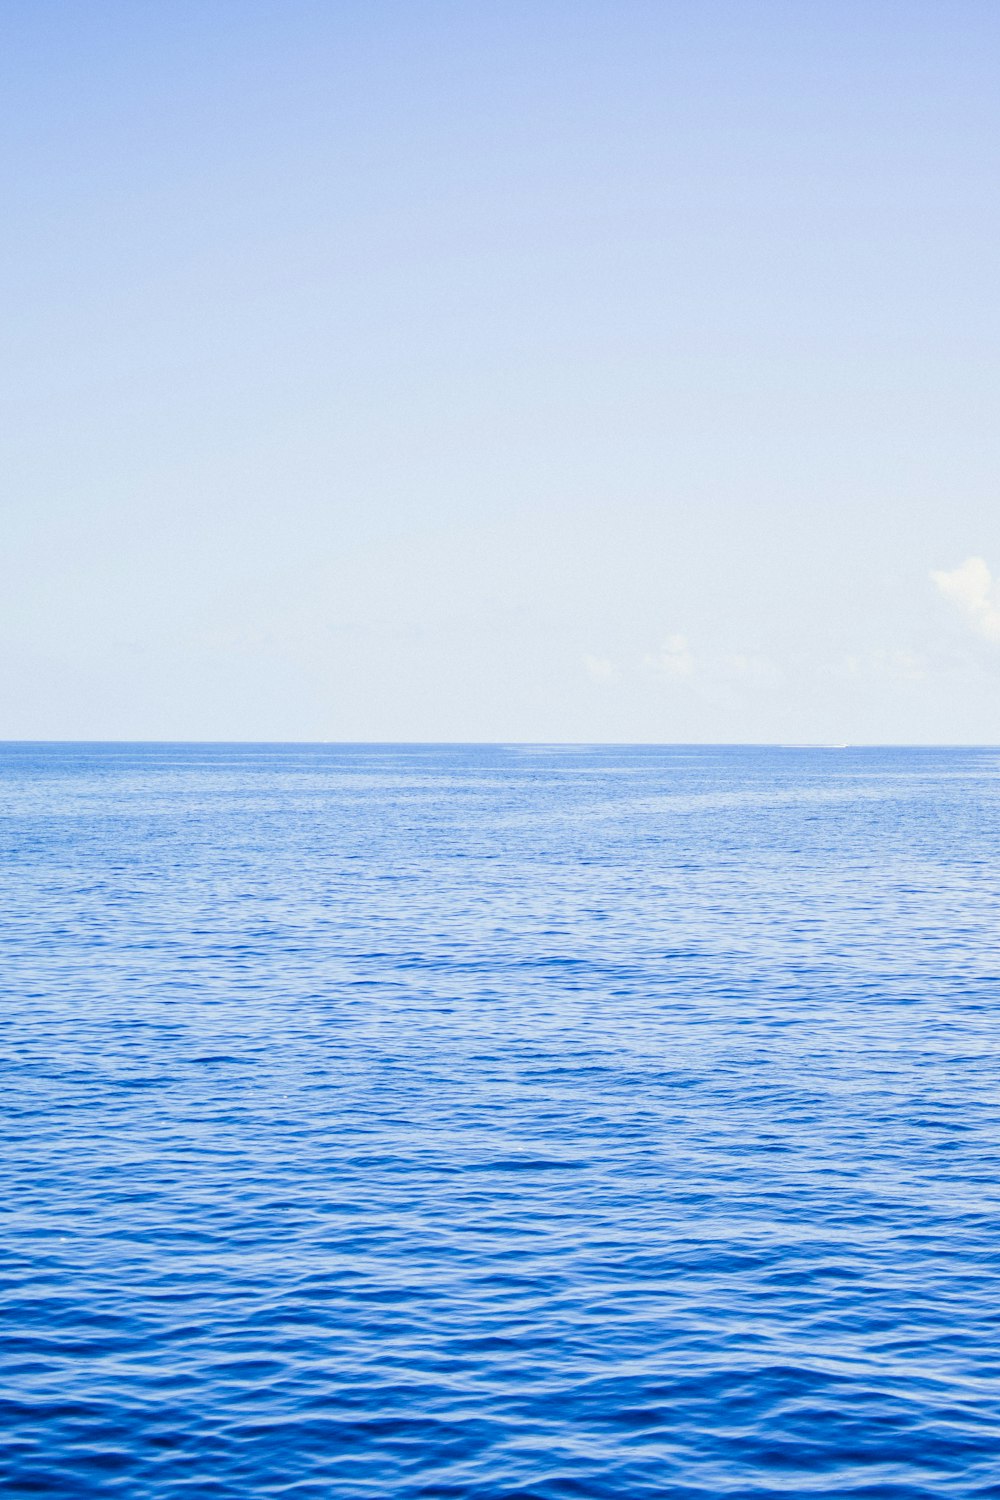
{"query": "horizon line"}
{"type": "Point", "coordinates": [526, 743]}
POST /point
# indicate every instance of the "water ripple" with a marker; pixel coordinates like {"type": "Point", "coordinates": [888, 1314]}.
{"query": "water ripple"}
{"type": "Point", "coordinates": [416, 1122]}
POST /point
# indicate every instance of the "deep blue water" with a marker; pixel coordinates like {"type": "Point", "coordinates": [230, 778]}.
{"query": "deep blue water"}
{"type": "Point", "coordinates": [495, 1122]}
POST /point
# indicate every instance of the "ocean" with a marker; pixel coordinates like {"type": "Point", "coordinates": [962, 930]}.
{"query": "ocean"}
{"type": "Point", "coordinates": [487, 1122]}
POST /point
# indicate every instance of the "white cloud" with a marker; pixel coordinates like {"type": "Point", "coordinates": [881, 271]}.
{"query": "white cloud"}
{"type": "Point", "coordinates": [969, 588]}
{"type": "Point", "coordinates": [673, 659]}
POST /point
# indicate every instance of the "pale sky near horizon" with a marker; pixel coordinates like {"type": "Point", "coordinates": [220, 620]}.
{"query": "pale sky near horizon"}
{"type": "Point", "coordinates": [501, 371]}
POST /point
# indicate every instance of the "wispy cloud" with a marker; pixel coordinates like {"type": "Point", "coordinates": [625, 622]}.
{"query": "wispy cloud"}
{"type": "Point", "coordinates": [750, 667]}
{"type": "Point", "coordinates": [600, 668]}
{"type": "Point", "coordinates": [880, 664]}
{"type": "Point", "coordinates": [969, 588]}
{"type": "Point", "coordinates": [673, 659]}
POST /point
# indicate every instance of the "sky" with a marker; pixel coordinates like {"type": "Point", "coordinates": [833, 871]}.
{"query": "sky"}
{"type": "Point", "coordinates": [505, 370]}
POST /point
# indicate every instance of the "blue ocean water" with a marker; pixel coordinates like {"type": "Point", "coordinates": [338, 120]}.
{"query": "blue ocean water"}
{"type": "Point", "coordinates": [499, 1122]}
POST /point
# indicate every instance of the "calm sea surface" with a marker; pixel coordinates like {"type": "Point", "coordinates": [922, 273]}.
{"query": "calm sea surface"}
{"type": "Point", "coordinates": [499, 1122]}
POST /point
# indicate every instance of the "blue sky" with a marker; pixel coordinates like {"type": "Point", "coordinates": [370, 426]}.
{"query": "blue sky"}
{"type": "Point", "coordinates": [538, 371]}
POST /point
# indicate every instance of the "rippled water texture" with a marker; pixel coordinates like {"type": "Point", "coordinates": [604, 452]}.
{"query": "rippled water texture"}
{"type": "Point", "coordinates": [495, 1122]}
